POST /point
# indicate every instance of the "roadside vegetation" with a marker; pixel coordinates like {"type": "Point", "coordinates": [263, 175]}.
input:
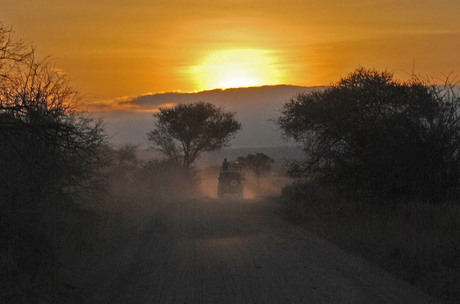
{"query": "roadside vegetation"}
{"type": "Point", "coordinates": [66, 195]}
{"type": "Point", "coordinates": [51, 155]}
{"type": "Point", "coordinates": [381, 174]}
{"type": "Point", "coordinates": [136, 188]}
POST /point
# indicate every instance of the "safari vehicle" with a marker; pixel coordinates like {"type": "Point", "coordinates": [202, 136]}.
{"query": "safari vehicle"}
{"type": "Point", "coordinates": [230, 183]}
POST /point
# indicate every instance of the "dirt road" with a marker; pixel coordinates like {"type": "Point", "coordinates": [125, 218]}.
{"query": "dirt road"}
{"type": "Point", "coordinates": [209, 251]}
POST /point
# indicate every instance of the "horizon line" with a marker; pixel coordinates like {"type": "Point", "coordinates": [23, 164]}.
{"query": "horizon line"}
{"type": "Point", "coordinates": [230, 88]}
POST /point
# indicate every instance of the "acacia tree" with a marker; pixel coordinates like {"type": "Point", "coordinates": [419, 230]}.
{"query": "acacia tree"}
{"type": "Point", "coordinates": [184, 131]}
{"type": "Point", "coordinates": [371, 131]}
{"type": "Point", "coordinates": [258, 163]}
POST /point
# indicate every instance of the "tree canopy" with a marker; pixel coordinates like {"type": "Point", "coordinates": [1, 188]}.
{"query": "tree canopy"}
{"type": "Point", "coordinates": [184, 131]}
{"type": "Point", "coordinates": [258, 163]}
{"type": "Point", "coordinates": [371, 131]}
{"type": "Point", "coordinates": [41, 128]}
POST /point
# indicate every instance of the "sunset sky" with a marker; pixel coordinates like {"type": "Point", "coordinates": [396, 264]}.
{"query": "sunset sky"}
{"type": "Point", "coordinates": [128, 48]}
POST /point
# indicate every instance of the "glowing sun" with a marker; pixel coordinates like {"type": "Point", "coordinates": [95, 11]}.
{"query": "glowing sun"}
{"type": "Point", "coordinates": [237, 68]}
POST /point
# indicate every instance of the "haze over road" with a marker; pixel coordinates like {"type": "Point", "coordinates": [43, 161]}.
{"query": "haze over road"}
{"type": "Point", "coordinates": [209, 251]}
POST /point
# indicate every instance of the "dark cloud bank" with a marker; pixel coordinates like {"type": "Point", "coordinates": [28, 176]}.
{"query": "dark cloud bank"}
{"type": "Point", "coordinates": [255, 108]}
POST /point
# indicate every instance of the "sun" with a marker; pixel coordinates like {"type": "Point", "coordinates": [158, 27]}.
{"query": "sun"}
{"type": "Point", "coordinates": [237, 68]}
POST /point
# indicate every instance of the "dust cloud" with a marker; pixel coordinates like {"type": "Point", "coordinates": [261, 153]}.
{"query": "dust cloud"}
{"type": "Point", "coordinates": [268, 185]}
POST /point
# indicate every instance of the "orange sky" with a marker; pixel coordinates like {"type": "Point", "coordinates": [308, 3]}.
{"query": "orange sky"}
{"type": "Point", "coordinates": [118, 48]}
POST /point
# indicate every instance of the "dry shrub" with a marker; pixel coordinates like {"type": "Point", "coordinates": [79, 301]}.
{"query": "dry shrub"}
{"type": "Point", "coordinates": [137, 189]}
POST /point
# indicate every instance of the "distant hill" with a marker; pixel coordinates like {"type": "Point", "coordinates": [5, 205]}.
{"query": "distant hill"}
{"type": "Point", "coordinates": [255, 108]}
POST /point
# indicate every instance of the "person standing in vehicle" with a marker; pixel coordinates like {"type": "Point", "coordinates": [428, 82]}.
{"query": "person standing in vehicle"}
{"type": "Point", "coordinates": [225, 165]}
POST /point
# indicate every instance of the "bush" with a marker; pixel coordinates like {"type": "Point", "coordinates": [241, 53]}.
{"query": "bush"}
{"type": "Point", "coordinates": [137, 187]}
{"type": "Point", "coordinates": [371, 132]}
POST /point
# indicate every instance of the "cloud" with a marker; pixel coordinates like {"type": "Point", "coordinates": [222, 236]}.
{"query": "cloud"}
{"type": "Point", "coordinates": [236, 98]}
{"type": "Point", "coordinates": [119, 104]}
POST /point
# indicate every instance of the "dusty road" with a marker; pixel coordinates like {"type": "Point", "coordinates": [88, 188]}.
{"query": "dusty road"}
{"type": "Point", "coordinates": [209, 251]}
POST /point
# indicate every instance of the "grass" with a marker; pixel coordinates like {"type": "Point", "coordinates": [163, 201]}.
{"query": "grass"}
{"type": "Point", "coordinates": [418, 242]}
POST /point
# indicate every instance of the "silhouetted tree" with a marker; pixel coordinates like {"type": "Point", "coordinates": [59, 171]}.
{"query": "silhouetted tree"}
{"type": "Point", "coordinates": [41, 128]}
{"type": "Point", "coordinates": [183, 132]}
{"type": "Point", "coordinates": [48, 151]}
{"type": "Point", "coordinates": [373, 132]}
{"type": "Point", "coordinates": [258, 163]}
{"type": "Point", "coordinates": [12, 51]}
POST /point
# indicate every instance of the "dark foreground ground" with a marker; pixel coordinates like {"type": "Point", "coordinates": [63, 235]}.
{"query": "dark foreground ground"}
{"type": "Point", "coordinates": [210, 251]}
